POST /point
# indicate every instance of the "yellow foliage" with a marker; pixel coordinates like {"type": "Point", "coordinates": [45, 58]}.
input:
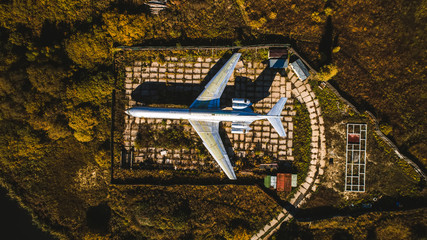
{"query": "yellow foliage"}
{"type": "Point", "coordinates": [127, 29]}
{"type": "Point", "coordinates": [327, 72]}
{"type": "Point", "coordinates": [83, 136]}
{"type": "Point", "coordinates": [273, 15]}
{"type": "Point", "coordinates": [82, 120]}
{"type": "Point", "coordinates": [241, 233]}
{"type": "Point", "coordinates": [386, 128]}
{"type": "Point", "coordinates": [89, 50]}
{"type": "Point", "coordinates": [328, 11]}
{"type": "Point", "coordinates": [336, 49]}
{"type": "Point", "coordinates": [393, 229]}
{"type": "Point", "coordinates": [317, 18]}
{"type": "Point", "coordinates": [258, 24]}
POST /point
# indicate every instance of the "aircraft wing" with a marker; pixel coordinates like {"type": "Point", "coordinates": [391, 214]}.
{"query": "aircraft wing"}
{"type": "Point", "coordinates": [209, 98]}
{"type": "Point", "coordinates": [209, 132]}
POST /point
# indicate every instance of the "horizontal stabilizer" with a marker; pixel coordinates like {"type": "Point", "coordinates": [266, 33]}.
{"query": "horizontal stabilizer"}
{"type": "Point", "coordinates": [274, 117]}
{"type": "Point", "coordinates": [276, 122]}
{"type": "Point", "coordinates": [277, 109]}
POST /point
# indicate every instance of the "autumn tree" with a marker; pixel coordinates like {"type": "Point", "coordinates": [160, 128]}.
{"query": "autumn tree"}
{"type": "Point", "coordinates": [89, 50]}
{"type": "Point", "coordinates": [47, 78]}
{"type": "Point", "coordinates": [82, 120]}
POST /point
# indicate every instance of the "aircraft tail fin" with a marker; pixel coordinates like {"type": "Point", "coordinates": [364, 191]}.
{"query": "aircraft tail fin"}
{"type": "Point", "coordinates": [274, 117]}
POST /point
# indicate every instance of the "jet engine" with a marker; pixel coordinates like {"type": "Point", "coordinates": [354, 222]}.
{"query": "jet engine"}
{"type": "Point", "coordinates": [240, 103]}
{"type": "Point", "coordinates": [240, 127]}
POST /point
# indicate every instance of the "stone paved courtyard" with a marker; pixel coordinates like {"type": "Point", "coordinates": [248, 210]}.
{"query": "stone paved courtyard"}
{"type": "Point", "coordinates": [177, 81]}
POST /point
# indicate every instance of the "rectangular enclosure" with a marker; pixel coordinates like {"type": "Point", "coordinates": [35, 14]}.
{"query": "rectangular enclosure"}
{"type": "Point", "coordinates": [355, 167]}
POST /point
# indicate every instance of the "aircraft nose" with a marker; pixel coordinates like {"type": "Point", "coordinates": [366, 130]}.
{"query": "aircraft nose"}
{"type": "Point", "coordinates": [127, 111]}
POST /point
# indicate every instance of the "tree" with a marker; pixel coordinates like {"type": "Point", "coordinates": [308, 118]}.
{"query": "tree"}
{"type": "Point", "coordinates": [92, 88]}
{"type": "Point", "coordinates": [82, 120]}
{"type": "Point", "coordinates": [47, 78]}
{"type": "Point", "coordinates": [89, 50]}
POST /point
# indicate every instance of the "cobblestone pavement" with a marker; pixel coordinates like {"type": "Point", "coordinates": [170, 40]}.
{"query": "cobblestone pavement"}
{"type": "Point", "coordinates": [185, 80]}
{"type": "Point", "coordinates": [304, 94]}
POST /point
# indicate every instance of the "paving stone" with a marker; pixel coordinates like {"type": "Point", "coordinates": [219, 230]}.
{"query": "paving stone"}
{"type": "Point", "coordinates": [302, 189]}
{"type": "Point", "coordinates": [315, 131]}
{"type": "Point", "coordinates": [305, 185]}
{"type": "Point", "coordinates": [296, 196]}
{"type": "Point", "coordinates": [273, 222]}
{"type": "Point", "coordinates": [312, 95]}
{"type": "Point", "coordinates": [307, 99]}
{"type": "Point", "coordinates": [313, 121]}
{"type": "Point", "coordinates": [303, 93]}
{"type": "Point", "coordinates": [309, 179]}
{"type": "Point", "coordinates": [314, 138]}
{"type": "Point", "coordinates": [322, 137]}
{"type": "Point", "coordinates": [290, 126]}
{"type": "Point", "coordinates": [312, 168]}
{"type": "Point", "coordinates": [298, 84]}
{"type": "Point", "coordinates": [310, 104]}
{"type": "Point", "coordinates": [294, 79]}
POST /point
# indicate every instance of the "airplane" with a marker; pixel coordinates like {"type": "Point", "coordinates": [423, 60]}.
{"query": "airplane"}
{"type": "Point", "coordinates": [205, 114]}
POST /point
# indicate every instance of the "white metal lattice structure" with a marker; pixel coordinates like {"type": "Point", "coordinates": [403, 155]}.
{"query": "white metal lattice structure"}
{"type": "Point", "coordinates": [355, 167]}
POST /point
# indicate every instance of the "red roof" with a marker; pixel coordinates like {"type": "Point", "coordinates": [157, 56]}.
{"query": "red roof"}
{"type": "Point", "coordinates": [284, 182]}
{"type": "Point", "coordinates": [354, 138]}
{"type": "Point", "coordinates": [278, 52]}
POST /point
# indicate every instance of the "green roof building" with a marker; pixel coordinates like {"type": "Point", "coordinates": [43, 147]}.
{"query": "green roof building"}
{"type": "Point", "coordinates": [267, 181]}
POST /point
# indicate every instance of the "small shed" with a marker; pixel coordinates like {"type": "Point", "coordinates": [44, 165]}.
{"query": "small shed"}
{"type": "Point", "coordinates": [300, 69]}
{"type": "Point", "coordinates": [278, 58]}
{"type": "Point", "coordinates": [278, 53]}
{"type": "Point", "coordinates": [284, 182]}
{"type": "Point", "coordinates": [267, 181]}
{"type": "Point", "coordinates": [273, 182]}
{"type": "Point", "coordinates": [156, 6]}
{"type": "Point", "coordinates": [294, 180]}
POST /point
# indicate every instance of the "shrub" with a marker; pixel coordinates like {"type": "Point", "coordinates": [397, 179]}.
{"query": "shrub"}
{"type": "Point", "coordinates": [327, 72]}
{"type": "Point", "coordinates": [386, 128]}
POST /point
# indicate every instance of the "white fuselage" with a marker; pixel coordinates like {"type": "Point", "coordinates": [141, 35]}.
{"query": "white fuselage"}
{"type": "Point", "coordinates": [196, 114]}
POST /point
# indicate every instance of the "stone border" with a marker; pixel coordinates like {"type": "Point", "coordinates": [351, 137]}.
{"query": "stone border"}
{"type": "Point", "coordinates": [303, 93]}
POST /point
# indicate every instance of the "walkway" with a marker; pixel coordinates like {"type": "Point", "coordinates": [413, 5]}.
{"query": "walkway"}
{"type": "Point", "coordinates": [303, 93]}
